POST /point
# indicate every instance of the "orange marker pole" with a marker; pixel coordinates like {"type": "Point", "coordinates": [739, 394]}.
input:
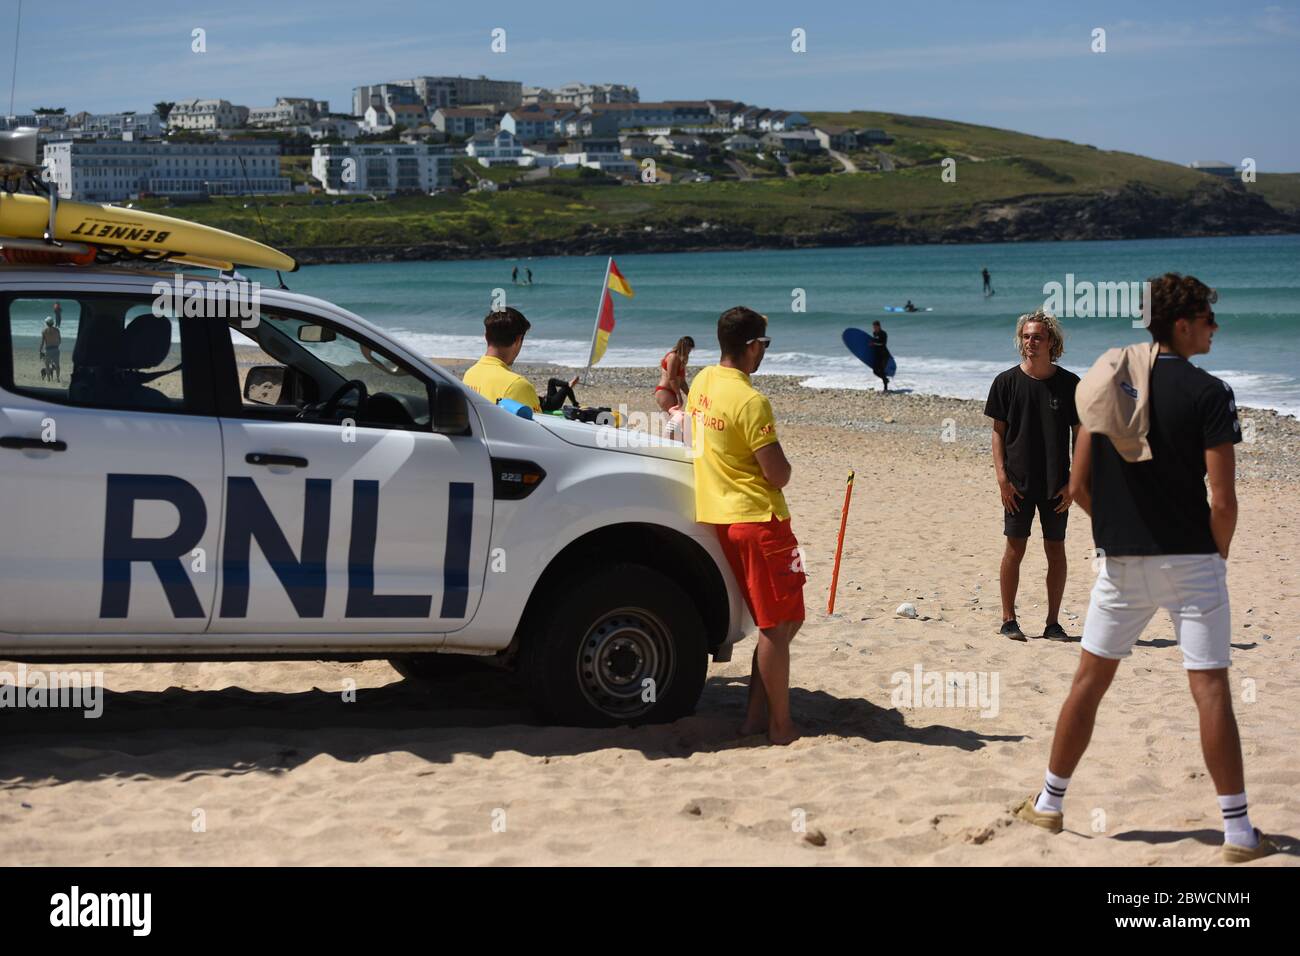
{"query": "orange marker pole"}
{"type": "Point", "coordinates": [839, 545]}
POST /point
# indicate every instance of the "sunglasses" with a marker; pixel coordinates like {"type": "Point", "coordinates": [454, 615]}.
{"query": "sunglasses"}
{"type": "Point", "coordinates": [762, 338]}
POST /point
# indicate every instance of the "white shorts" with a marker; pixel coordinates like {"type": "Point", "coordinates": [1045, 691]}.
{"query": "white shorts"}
{"type": "Point", "coordinates": [1193, 588]}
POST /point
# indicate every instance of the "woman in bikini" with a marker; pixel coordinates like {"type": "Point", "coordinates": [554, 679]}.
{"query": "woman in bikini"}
{"type": "Point", "coordinates": [671, 390]}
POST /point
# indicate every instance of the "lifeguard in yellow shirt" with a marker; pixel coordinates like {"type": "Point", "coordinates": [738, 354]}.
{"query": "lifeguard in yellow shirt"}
{"type": "Point", "coordinates": [740, 470]}
{"type": "Point", "coordinates": [491, 376]}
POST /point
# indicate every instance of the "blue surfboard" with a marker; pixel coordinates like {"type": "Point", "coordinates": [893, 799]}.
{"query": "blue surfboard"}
{"type": "Point", "coordinates": [859, 343]}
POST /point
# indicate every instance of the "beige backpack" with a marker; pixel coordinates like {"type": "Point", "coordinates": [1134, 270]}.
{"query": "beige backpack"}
{"type": "Point", "coordinates": [1113, 398]}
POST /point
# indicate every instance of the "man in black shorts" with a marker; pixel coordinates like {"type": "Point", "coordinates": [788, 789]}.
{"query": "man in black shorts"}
{"type": "Point", "coordinates": [1034, 427]}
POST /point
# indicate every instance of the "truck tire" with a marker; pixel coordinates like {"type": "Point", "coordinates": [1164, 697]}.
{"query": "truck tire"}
{"type": "Point", "coordinates": [591, 652]}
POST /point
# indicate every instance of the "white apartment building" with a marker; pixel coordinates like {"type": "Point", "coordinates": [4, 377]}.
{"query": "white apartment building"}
{"type": "Point", "coordinates": [206, 115]}
{"type": "Point", "coordinates": [439, 91]}
{"type": "Point", "coordinates": [456, 121]}
{"type": "Point", "coordinates": [585, 94]}
{"type": "Point", "coordinates": [497, 148]}
{"type": "Point", "coordinates": [111, 170]}
{"type": "Point", "coordinates": [288, 111]}
{"type": "Point", "coordinates": [381, 167]}
{"type": "Point", "coordinates": [139, 125]}
{"type": "Point", "coordinates": [42, 121]}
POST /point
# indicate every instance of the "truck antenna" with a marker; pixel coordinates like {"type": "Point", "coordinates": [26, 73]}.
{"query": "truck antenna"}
{"type": "Point", "coordinates": [13, 82]}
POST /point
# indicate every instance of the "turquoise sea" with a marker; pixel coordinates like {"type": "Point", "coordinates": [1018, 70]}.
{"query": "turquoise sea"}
{"type": "Point", "coordinates": [438, 307]}
{"type": "Point", "coordinates": [955, 350]}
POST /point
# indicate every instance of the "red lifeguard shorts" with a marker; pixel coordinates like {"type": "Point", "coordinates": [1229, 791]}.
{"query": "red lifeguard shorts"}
{"type": "Point", "coordinates": [768, 565]}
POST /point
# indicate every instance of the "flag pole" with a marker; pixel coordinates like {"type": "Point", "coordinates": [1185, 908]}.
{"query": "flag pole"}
{"type": "Point", "coordinates": [604, 291]}
{"type": "Point", "coordinates": [839, 543]}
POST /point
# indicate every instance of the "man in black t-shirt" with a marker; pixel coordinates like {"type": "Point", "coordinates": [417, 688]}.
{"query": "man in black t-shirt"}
{"type": "Point", "coordinates": [1034, 423]}
{"type": "Point", "coordinates": [1163, 545]}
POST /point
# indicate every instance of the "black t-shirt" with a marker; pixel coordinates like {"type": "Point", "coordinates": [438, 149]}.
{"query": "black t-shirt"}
{"type": "Point", "coordinates": [1160, 506]}
{"type": "Point", "coordinates": [1039, 414]}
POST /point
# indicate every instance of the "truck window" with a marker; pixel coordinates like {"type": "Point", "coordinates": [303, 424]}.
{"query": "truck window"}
{"type": "Point", "coordinates": [290, 367]}
{"type": "Point", "coordinates": [101, 351]}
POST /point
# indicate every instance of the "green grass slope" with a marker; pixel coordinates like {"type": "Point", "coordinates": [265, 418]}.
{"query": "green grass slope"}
{"type": "Point", "coordinates": [994, 166]}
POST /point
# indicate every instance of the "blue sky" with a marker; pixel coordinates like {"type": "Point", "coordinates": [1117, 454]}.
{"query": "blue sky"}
{"type": "Point", "coordinates": [1179, 81]}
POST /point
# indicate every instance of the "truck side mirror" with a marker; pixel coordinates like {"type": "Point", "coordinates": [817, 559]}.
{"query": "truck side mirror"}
{"type": "Point", "coordinates": [264, 384]}
{"type": "Point", "coordinates": [450, 410]}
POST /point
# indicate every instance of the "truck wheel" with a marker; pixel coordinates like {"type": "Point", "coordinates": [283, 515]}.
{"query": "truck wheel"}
{"type": "Point", "coordinates": [626, 645]}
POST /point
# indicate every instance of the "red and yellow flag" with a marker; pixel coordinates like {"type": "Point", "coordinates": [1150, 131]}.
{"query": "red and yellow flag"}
{"type": "Point", "coordinates": [614, 282]}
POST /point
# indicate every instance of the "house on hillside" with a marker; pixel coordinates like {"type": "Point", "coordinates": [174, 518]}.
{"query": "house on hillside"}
{"type": "Point", "coordinates": [839, 138]}
{"type": "Point", "coordinates": [1214, 167]}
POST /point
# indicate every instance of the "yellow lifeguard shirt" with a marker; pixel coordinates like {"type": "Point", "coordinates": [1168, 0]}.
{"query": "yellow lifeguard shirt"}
{"type": "Point", "coordinates": [730, 420]}
{"type": "Point", "coordinates": [492, 379]}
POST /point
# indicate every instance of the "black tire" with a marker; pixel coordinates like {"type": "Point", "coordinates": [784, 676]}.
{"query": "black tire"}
{"type": "Point", "coordinates": [435, 666]}
{"type": "Point", "coordinates": [589, 652]}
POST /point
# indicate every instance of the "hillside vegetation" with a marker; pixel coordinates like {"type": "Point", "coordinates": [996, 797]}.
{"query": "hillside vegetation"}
{"type": "Point", "coordinates": [997, 170]}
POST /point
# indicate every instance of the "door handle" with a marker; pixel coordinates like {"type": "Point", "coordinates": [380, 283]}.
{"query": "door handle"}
{"type": "Point", "coordinates": [261, 458]}
{"type": "Point", "coordinates": [35, 444]}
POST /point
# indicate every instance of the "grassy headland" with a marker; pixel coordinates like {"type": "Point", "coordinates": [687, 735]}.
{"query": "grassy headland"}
{"type": "Point", "coordinates": [1009, 185]}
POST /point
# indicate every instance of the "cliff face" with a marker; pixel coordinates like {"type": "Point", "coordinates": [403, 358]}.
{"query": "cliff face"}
{"type": "Point", "coordinates": [1131, 212]}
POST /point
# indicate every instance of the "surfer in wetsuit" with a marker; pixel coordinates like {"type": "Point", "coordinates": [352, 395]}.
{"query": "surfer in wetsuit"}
{"type": "Point", "coordinates": [909, 307]}
{"type": "Point", "coordinates": [514, 276]}
{"type": "Point", "coordinates": [530, 275]}
{"type": "Point", "coordinates": [988, 284]}
{"type": "Point", "coordinates": [878, 338]}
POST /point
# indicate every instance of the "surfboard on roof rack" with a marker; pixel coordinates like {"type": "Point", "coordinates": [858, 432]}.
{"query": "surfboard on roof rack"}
{"type": "Point", "coordinates": [36, 228]}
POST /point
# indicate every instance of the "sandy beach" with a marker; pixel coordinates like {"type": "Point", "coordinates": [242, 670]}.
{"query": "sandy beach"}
{"type": "Point", "coordinates": [251, 764]}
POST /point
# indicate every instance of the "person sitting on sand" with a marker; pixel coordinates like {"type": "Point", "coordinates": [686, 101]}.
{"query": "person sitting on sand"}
{"type": "Point", "coordinates": [1032, 407]}
{"type": "Point", "coordinates": [51, 339]}
{"type": "Point", "coordinates": [491, 376]}
{"type": "Point", "coordinates": [671, 391]}
{"type": "Point", "coordinates": [740, 470]}
{"type": "Point", "coordinates": [1163, 545]}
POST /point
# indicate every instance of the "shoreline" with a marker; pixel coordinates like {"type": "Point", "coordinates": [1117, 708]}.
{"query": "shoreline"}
{"type": "Point", "coordinates": [621, 243]}
{"type": "Point", "coordinates": [1272, 454]}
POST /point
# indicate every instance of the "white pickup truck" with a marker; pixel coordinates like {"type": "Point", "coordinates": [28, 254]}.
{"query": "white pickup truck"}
{"type": "Point", "coordinates": [178, 482]}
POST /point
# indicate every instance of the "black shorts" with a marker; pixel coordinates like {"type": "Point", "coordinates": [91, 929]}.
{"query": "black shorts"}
{"type": "Point", "coordinates": [1053, 525]}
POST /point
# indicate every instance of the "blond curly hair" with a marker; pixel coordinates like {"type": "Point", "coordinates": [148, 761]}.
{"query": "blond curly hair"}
{"type": "Point", "coordinates": [1055, 334]}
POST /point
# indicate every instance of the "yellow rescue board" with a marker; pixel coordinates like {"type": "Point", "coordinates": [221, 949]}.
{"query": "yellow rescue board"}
{"type": "Point", "coordinates": [137, 232]}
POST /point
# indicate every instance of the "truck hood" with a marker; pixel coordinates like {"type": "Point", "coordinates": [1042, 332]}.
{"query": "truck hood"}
{"type": "Point", "coordinates": [609, 438]}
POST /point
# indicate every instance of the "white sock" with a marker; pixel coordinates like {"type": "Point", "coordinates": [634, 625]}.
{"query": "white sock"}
{"type": "Point", "coordinates": [1051, 797]}
{"type": "Point", "coordinates": [1237, 828]}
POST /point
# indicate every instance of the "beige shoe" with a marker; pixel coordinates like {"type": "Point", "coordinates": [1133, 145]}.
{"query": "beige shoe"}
{"type": "Point", "coordinates": [1240, 854]}
{"type": "Point", "coordinates": [1048, 821]}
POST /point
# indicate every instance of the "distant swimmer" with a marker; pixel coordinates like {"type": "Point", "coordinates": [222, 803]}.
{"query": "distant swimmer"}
{"type": "Point", "coordinates": [988, 283]}
{"type": "Point", "coordinates": [909, 307]}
